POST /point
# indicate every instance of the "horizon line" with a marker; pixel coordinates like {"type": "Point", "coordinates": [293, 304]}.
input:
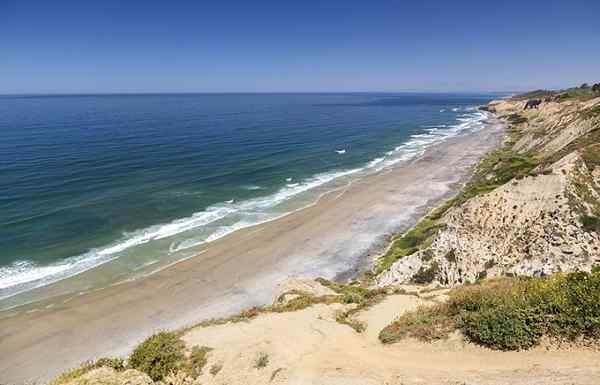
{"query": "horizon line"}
{"type": "Point", "coordinates": [135, 93]}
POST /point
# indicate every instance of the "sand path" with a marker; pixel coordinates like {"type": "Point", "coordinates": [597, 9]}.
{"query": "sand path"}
{"type": "Point", "coordinates": [310, 347]}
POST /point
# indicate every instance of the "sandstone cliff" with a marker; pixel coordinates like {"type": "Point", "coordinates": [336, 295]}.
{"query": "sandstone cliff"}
{"type": "Point", "coordinates": [543, 219]}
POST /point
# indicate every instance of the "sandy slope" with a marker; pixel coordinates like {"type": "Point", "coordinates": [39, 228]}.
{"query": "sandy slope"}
{"type": "Point", "coordinates": [310, 347]}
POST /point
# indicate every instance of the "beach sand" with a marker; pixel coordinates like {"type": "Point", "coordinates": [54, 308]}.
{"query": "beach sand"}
{"type": "Point", "coordinates": [333, 237]}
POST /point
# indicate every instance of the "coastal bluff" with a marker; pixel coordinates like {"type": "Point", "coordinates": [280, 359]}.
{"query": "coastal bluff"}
{"type": "Point", "coordinates": [537, 223]}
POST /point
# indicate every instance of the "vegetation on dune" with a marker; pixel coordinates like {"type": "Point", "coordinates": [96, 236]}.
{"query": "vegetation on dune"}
{"type": "Point", "coordinates": [591, 156]}
{"type": "Point", "coordinates": [427, 323]}
{"type": "Point", "coordinates": [577, 93]}
{"type": "Point", "coordinates": [584, 200]}
{"type": "Point", "coordinates": [302, 300]}
{"type": "Point", "coordinates": [584, 91]}
{"type": "Point", "coordinates": [579, 145]}
{"type": "Point", "coordinates": [354, 294]}
{"type": "Point", "coordinates": [164, 353]}
{"type": "Point", "coordinates": [536, 94]}
{"type": "Point", "coordinates": [516, 119]}
{"type": "Point", "coordinates": [592, 112]}
{"type": "Point", "coordinates": [410, 242]}
{"type": "Point", "coordinates": [510, 313]}
{"type": "Point", "coordinates": [588, 207]}
{"type": "Point", "coordinates": [197, 360]}
{"type": "Point", "coordinates": [498, 168]}
{"type": "Point", "coordinates": [591, 223]}
{"type": "Point", "coordinates": [159, 355]}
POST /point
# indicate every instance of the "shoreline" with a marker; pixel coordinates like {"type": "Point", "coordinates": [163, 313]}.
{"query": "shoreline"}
{"type": "Point", "coordinates": [113, 268]}
{"type": "Point", "coordinates": [314, 241]}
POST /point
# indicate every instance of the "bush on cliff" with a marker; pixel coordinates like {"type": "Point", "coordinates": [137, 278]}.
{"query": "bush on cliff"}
{"type": "Point", "coordinates": [510, 313]}
{"type": "Point", "coordinates": [159, 355]}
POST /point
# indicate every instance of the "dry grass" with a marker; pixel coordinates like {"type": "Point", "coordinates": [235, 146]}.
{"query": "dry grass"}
{"type": "Point", "coordinates": [354, 294]}
{"type": "Point", "coordinates": [427, 323]}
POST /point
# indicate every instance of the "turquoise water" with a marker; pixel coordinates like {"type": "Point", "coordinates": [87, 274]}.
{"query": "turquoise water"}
{"type": "Point", "coordinates": [136, 181]}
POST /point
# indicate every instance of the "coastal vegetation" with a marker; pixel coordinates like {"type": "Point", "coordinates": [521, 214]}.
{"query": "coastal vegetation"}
{"type": "Point", "coordinates": [510, 313]}
{"type": "Point", "coordinates": [583, 92]}
{"type": "Point", "coordinates": [362, 297]}
{"type": "Point", "coordinates": [159, 355]}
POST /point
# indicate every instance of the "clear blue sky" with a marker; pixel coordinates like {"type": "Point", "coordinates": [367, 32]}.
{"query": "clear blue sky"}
{"type": "Point", "coordinates": [302, 45]}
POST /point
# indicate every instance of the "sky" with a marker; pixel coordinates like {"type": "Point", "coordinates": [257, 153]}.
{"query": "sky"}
{"type": "Point", "coordinates": [108, 46]}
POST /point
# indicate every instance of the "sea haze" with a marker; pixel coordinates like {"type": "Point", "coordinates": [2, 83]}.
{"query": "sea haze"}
{"type": "Point", "coordinates": [136, 182]}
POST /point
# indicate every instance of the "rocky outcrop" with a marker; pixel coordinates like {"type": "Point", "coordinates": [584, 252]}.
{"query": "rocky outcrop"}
{"type": "Point", "coordinates": [529, 226]}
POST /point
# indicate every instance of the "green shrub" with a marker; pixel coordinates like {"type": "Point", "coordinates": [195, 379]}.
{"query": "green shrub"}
{"type": "Point", "coordinates": [159, 355]}
{"type": "Point", "coordinates": [590, 223]}
{"type": "Point", "coordinates": [353, 294]}
{"type": "Point", "coordinates": [411, 241]}
{"type": "Point", "coordinates": [117, 364]}
{"type": "Point", "coordinates": [578, 306]}
{"type": "Point", "coordinates": [426, 324]}
{"type": "Point", "coordinates": [197, 360]}
{"type": "Point", "coordinates": [504, 327]}
{"type": "Point", "coordinates": [345, 319]}
{"type": "Point", "coordinates": [591, 154]}
{"type": "Point", "coordinates": [511, 313]}
{"type": "Point", "coordinates": [516, 119]}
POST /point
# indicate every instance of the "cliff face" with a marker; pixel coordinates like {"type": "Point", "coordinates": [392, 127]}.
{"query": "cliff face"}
{"type": "Point", "coordinates": [540, 222]}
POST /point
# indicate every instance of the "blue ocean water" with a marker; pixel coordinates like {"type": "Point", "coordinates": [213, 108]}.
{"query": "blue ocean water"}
{"type": "Point", "coordinates": [139, 180]}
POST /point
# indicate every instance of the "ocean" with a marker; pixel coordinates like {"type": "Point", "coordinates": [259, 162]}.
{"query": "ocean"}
{"type": "Point", "coordinates": [133, 183]}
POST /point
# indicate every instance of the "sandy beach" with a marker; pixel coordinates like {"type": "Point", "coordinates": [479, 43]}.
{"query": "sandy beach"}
{"type": "Point", "coordinates": [332, 238]}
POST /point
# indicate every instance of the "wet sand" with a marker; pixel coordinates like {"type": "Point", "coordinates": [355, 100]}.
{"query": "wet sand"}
{"type": "Point", "coordinates": [330, 238]}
